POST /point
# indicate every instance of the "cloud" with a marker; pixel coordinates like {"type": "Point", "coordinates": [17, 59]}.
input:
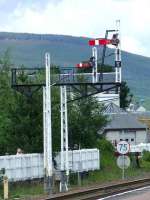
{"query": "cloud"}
{"type": "Point", "coordinates": [133, 45]}
{"type": "Point", "coordinates": [83, 18]}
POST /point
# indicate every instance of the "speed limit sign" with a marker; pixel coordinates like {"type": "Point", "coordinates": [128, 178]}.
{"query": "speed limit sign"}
{"type": "Point", "coordinates": [123, 147]}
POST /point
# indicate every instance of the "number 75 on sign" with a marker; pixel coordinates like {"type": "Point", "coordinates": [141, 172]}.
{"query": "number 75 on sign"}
{"type": "Point", "coordinates": [123, 147]}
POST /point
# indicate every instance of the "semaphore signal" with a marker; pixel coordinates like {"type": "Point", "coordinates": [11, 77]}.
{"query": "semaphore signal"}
{"type": "Point", "coordinates": [97, 42]}
{"type": "Point", "coordinates": [104, 41]}
{"type": "Point", "coordinates": [84, 65]}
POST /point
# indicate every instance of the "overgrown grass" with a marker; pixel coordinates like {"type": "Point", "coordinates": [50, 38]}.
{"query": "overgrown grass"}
{"type": "Point", "coordinates": [20, 190]}
{"type": "Point", "coordinates": [111, 172]}
{"type": "Point", "coordinates": [108, 170]}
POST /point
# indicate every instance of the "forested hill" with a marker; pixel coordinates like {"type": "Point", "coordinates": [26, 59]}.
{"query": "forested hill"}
{"type": "Point", "coordinates": [29, 49]}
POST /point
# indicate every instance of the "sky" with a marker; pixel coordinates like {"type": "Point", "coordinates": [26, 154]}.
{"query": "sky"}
{"type": "Point", "coordinates": [88, 18]}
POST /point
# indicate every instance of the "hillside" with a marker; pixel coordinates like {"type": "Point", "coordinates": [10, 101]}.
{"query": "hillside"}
{"type": "Point", "coordinates": [29, 49]}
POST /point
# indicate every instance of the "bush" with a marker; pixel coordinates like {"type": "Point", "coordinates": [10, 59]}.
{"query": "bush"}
{"type": "Point", "coordinates": [146, 155]}
{"type": "Point", "coordinates": [104, 145]}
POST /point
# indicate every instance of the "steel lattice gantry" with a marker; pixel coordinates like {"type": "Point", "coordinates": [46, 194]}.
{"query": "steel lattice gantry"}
{"type": "Point", "coordinates": [69, 78]}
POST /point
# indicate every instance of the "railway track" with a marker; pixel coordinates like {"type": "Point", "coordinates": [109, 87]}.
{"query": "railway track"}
{"type": "Point", "coordinates": [99, 192]}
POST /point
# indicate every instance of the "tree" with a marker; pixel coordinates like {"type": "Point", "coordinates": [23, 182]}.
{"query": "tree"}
{"type": "Point", "coordinates": [25, 127]}
{"type": "Point", "coordinates": [20, 117]}
{"type": "Point", "coordinates": [86, 120]}
{"type": "Point", "coordinates": [21, 120]}
{"type": "Point", "coordinates": [125, 95]}
{"type": "Point", "coordinates": [26, 124]}
{"type": "Point", "coordinates": [6, 99]}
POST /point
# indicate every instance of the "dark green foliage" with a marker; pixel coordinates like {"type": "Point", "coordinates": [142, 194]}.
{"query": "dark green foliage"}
{"type": "Point", "coordinates": [21, 117]}
{"type": "Point", "coordinates": [146, 156]}
{"type": "Point", "coordinates": [107, 155]}
{"type": "Point", "coordinates": [26, 124]}
{"type": "Point", "coordinates": [56, 134]}
{"type": "Point", "coordinates": [105, 68]}
{"type": "Point", "coordinates": [85, 120]}
{"type": "Point", "coordinates": [105, 146]}
{"type": "Point", "coordinates": [125, 95]}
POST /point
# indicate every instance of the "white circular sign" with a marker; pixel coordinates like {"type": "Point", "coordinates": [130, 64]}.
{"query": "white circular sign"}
{"type": "Point", "coordinates": [123, 147]}
{"type": "Point", "coordinates": [123, 162]}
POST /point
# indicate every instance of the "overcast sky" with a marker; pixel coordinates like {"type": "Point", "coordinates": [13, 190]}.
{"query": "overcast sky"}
{"type": "Point", "coordinates": [81, 18]}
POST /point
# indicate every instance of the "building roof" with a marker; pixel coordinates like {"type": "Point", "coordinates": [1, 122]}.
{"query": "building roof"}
{"type": "Point", "coordinates": [124, 121]}
{"type": "Point", "coordinates": [141, 109]}
{"type": "Point", "coordinates": [143, 117]}
{"type": "Point", "coordinates": [136, 108]}
{"type": "Point", "coordinates": [141, 114]}
{"type": "Point", "coordinates": [112, 108]}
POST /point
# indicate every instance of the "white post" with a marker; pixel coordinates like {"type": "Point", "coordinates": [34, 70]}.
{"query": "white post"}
{"type": "Point", "coordinates": [64, 140]}
{"type": "Point", "coordinates": [94, 70]}
{"type": "Point", "coordinates": [44, 130]}
{"type": "Point", "coordinates": [48, 123]}
{"type": "Point", "coordinates": [123, 169]}
{"type": "Point", "coordinates": [119, 46]}
{"type": "Point", "coordinates": [62, 127]}
{"type": "Point", "coordinates": [5, 187]}
{"type": "Point", "coordinates": [66, 131]}
{"type": "Point", "coordinates": [118, 54]}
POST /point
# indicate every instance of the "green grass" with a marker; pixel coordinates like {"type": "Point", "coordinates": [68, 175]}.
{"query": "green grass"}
{"type": "Point", "coordinates": [111, 172]}
{"type": "Point", "coordinates": [108, 172]}
{"type": "Point", "coordinates": [23, 189]}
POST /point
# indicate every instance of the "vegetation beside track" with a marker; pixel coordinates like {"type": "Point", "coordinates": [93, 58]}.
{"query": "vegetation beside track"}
{"type": "Point", "coordinates": [109, 172]}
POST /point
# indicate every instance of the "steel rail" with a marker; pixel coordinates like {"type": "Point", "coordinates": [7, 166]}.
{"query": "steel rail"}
{"type": "Point", "coordinates": [101, 191]}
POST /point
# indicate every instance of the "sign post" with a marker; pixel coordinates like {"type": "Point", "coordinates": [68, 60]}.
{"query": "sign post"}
{"type": "Point", "coordinates": [123, 161]}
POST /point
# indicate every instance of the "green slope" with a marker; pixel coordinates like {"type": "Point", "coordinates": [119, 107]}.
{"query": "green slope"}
{"type": "Point", "coordinates": [29, 49]}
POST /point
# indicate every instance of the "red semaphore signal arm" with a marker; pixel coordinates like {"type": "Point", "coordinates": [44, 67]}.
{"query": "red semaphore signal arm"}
{"type": "Point", "coordinates": [84, 65]}
{"type": "Point", "coordinates": [103, 41]}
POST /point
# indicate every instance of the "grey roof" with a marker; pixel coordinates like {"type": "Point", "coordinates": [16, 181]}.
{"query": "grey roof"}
{"type": "Point", "coordinates": [112, 108]}
{"type": "Point", "coordinates": [124, 121]}
{"type": "Point", "coordinates": [145, 114]}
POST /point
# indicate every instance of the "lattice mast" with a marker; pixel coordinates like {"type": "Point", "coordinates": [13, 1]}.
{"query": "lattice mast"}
{"type": "Point", "coordinates": [115, 40]}
{"type": "Point", "coordinates": [44, 130]}
{"type": "Point", "coordinates": [118, 54]}
{"type": "Point", "coordinates": [48, 166]}
{"type": "Point", "coordinates": [94, 69]}
{"type": "Point", "coordinates": [64, 140]}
